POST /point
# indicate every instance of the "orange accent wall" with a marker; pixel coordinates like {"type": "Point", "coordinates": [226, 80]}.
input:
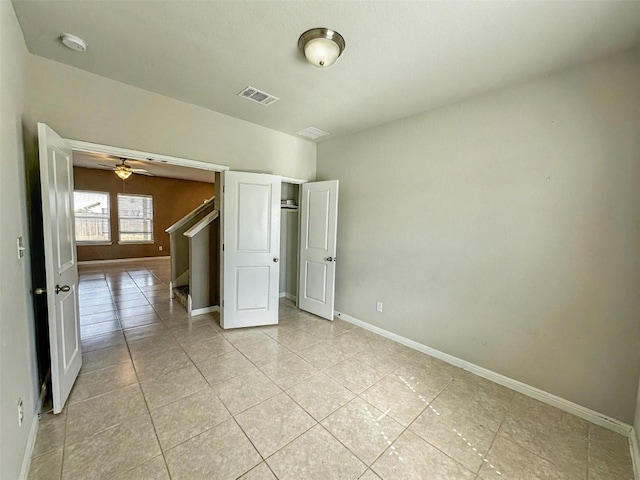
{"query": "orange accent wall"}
{"type": "Point", "coordinates": [172, 199]}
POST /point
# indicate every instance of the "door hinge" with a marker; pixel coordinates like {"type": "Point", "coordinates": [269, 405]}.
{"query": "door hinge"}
{"type": "Point", "coordinates": [223, 247]}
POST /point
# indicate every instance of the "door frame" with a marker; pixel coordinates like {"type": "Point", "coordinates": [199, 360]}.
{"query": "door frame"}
{"type": "Point", "coordinates": [142, 155]}
{"type": "Point", "coordinates": [79, 145]}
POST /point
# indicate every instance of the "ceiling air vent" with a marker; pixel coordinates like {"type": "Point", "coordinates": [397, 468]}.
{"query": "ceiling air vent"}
{"type": "Point", "coordinates": [258, 96]}
{"type": "Point", "coordinates": [312, 133]}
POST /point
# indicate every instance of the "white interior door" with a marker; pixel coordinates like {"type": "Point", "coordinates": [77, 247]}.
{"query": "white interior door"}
{"type": "Point", "coordinates": [56, 179]}
{"type": "Point", "coordinates": [250, 223]}
{"type": "Point", "coordinates": [318, 228]}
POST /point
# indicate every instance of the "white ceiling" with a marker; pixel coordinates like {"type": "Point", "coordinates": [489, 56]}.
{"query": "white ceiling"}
{"type": "Point", "coordinates": [159, 169]}
{"type": "Point", "coordinates": [401, 58]}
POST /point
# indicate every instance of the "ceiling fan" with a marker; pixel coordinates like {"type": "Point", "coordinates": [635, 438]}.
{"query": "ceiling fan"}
{"type": "Point", "coordinates": [124, 171]}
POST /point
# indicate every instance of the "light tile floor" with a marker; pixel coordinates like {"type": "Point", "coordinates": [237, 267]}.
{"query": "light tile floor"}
{"type": "Point", "coordinates": [160, 396]}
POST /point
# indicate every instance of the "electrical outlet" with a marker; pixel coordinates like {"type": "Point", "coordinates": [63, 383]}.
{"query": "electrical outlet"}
{"type": "Point", "coordinates": [379, 306]}
{"type": "Point", "coordinates": [160, 248]}
{"type": "Point", "coordinates": [20, 412]}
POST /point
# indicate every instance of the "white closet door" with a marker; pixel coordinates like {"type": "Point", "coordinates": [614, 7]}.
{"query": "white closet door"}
{"type": "Point", "coordinates": [251, 249]}
{"type": "Point", "coordinates": [318, 229]}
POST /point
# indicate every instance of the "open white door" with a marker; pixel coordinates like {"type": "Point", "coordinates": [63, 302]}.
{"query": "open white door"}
{"type": "Point", "coordinates": [250, 222]}
{"type": "Point", "coordinates": [318, 228]}
{"type": "Point", "coordinates": [56, 180]}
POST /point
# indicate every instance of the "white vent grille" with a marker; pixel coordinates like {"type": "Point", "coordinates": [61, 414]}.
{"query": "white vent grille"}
{"type": "Point", "coordinates": [258, 96]}
{"type": "Point", "coordinates": [311, 132]}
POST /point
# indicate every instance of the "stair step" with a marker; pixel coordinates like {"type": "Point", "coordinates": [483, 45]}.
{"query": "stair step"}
{"type": "Point", "coordinates": [181, 294]}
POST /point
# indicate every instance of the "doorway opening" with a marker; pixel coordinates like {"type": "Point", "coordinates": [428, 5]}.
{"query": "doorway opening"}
{"type": "Point", "coordinates": [54, 247]}
{"type": "Point", "coordinates": [250, 209]}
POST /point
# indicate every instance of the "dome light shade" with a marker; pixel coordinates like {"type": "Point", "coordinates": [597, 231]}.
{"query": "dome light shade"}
{"type": "Point", "coordinates": [321, 46]}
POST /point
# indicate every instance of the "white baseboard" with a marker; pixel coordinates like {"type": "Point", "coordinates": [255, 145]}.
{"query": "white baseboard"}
{"type": "Point", "coordinates": [288, 296]}
{"type": "Point", "coordinates": [635, 453]}
{"type": "Point", "coordinates": [545, 397]}
{"type": "Point", "coordinates": [31, 440]}
{"type": "Point", "coordinates": [122, 260]}
{"type": "Point", "coordinates": [202, 311]}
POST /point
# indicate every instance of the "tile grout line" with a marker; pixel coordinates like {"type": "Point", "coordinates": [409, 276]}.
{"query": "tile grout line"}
{"type": "Point", "coordinates": [282, 391]}
{"type": "Point", "coordinates": [162, 449]}
{"type": "Point", "coordinates": [407, 428]}
{"type": "Point", "coordinates": [317, 371]}
{"type": "Point", "coordinates": [495, 436]}
{"type": "Point", "coordinates": [144, 398]}
{"type": "Point", "coordinates": [148, 411]}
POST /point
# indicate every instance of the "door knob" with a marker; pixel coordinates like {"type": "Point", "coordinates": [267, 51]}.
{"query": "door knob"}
{"type": "Point", "coordinates": [276, 259]}
{"type": "Point", "coordinates": [64, 288]}
{"type": "Point", "coordinates": [331, 259]}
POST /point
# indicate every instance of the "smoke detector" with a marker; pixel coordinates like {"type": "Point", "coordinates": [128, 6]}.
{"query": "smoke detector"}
{"type": "Point", "coordinates": [74, 43]}
{"type": "Point", "coordinates": [258, 96]}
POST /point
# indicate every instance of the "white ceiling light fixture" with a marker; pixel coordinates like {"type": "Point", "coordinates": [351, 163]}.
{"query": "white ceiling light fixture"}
{"type": "Point", "coordinates": [321, 46]}
{"type": "Point", "coordinates": [74, 43]}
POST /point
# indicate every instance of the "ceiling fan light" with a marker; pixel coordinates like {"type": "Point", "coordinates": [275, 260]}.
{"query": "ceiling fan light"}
{"type": "Point", "coordinates": [122, 173]}
{"type": "Point", "coordinates": [321, 46]}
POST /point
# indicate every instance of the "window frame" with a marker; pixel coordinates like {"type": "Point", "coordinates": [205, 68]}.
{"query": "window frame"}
{"type": "Point", "coordinates": [120, 217]}
{"type": "Point", "coordinates": [108, 241]}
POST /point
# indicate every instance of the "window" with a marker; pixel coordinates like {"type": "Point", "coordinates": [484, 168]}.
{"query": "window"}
{"type": "Point", "coordinates": [92, 217]}
{"type": "Point", "coordinates": [135, 218]}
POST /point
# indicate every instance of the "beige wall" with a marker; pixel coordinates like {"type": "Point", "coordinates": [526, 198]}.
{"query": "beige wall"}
{"type": "Point", "coordinates": [18, 375]}
{"type": "Point", "coordinates": [504, 230]}
{"type": "Point", "coordinates": [172, 199]}
{"type": "Point", "coordinates": [84, 106]}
